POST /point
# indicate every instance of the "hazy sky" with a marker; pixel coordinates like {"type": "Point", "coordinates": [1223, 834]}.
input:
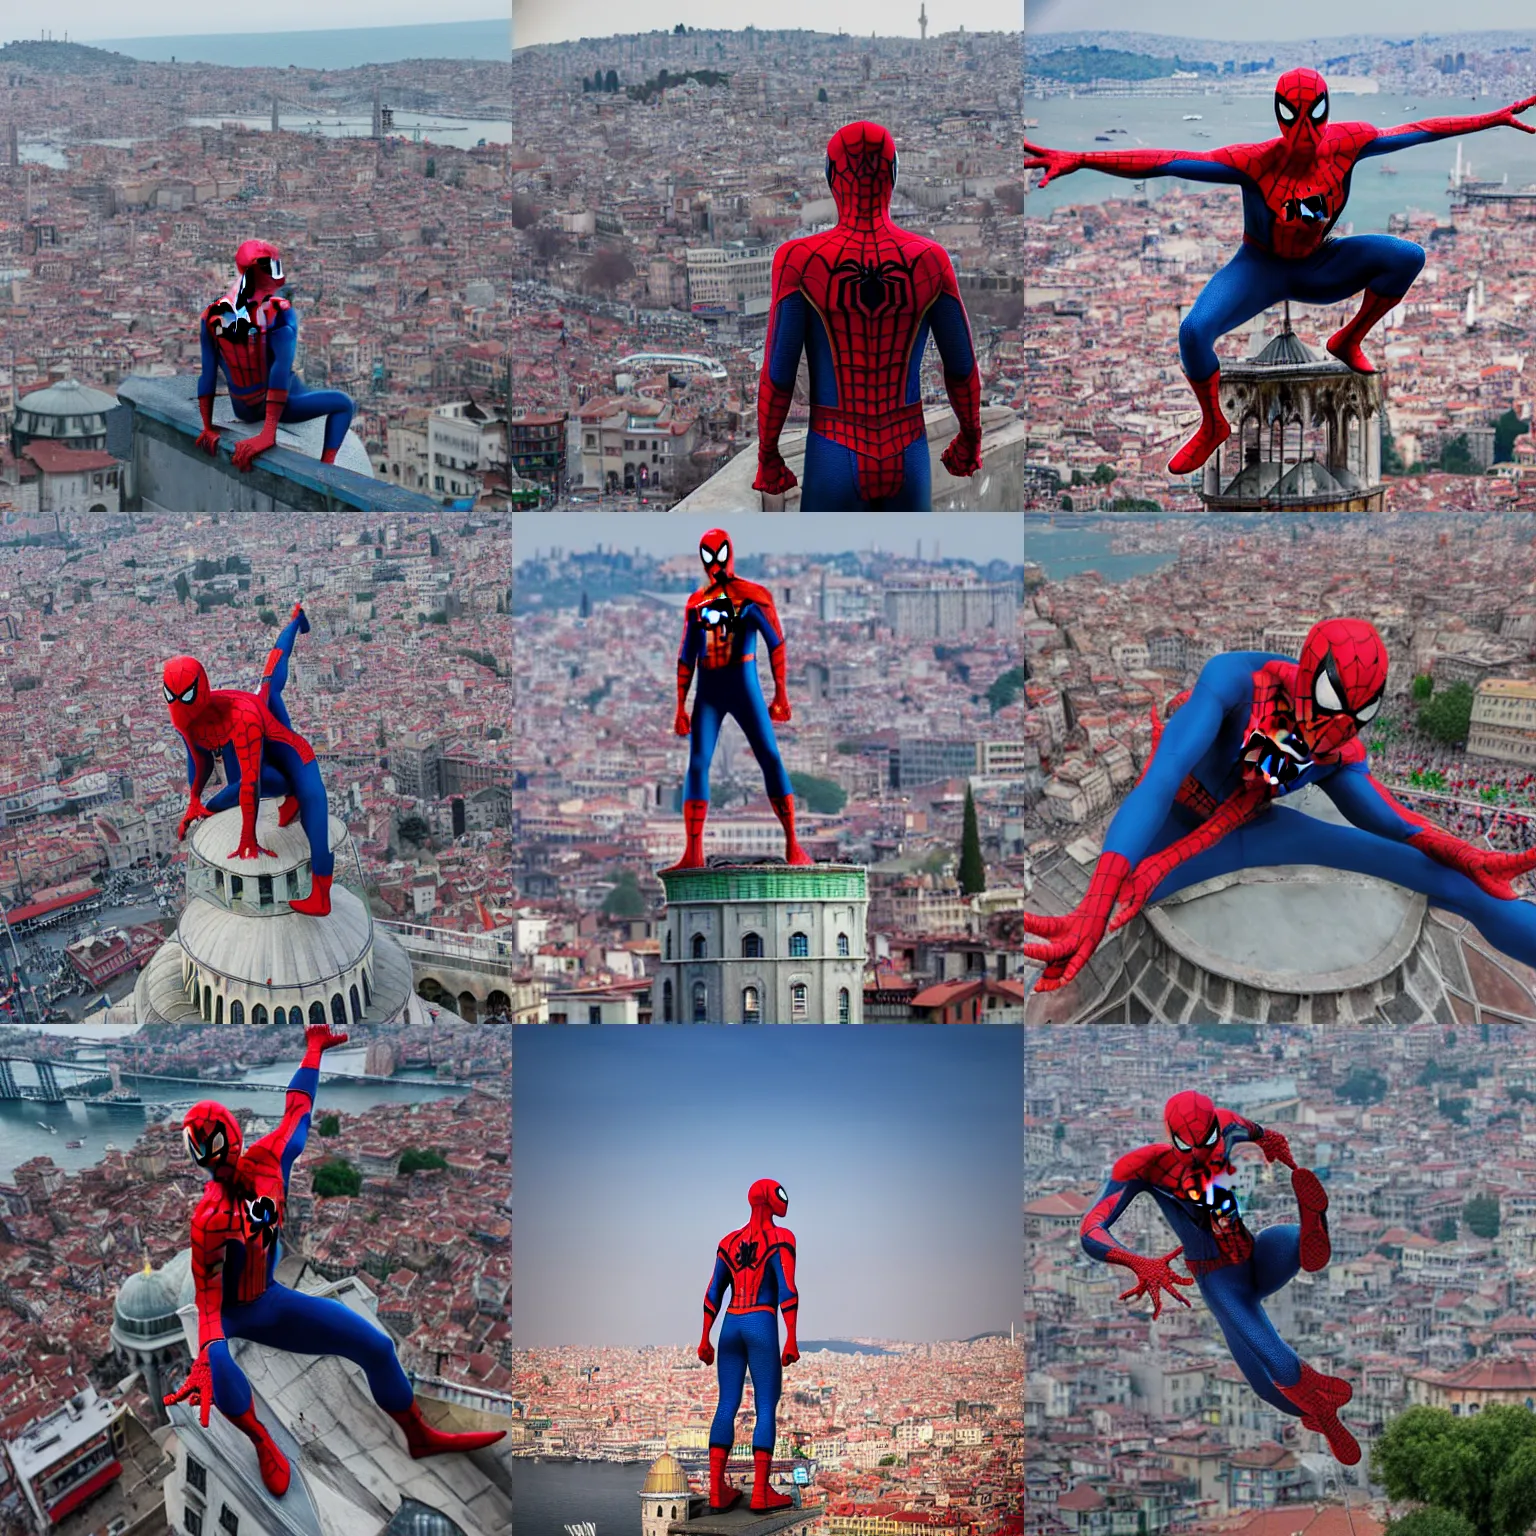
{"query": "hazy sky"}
{"type": "Point", "coordinates": [633, 1149]}
{"type": "Point", "coordinates": [1296, 19]}
{"type": "Point", "coordinates": [543, 21]}
{"type": "Point", "coordinates": [88, 19]}
{"type": "Point", "coordinates": [979, 536]}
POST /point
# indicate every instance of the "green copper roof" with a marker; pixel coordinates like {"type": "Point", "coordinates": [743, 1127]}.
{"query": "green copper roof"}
{"type": "Point", "coordinates": [766, 882]}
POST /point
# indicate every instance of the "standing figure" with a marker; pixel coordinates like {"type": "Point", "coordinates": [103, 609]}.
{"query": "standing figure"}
{"type": "Point", "coordinates": [757, 1264]}
{"type": "Point", "coordinates": [1294, 190]}
{"type": "Point", "coordinates": [252, 334]}
{"type": "Point", "coordinates": [860, 300]}
{"type": "Point", "coordinates": [720, 630]}
{"type": "Point", "coordinates": [262, 754]}
{"type": "Point", "coordinates": [1189, 1178]}
{"type": "Point", "coordinates": [236, 1242]}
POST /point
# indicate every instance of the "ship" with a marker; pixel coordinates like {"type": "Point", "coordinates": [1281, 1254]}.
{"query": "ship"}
{"type": "Point", "coordinates": [1194, 117]}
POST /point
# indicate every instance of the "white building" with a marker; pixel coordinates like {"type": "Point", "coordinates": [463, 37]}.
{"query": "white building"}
{"type": "Point", "coordinates": [60, 1462]}
{"type": "Point", "coordinates": [731, 279]}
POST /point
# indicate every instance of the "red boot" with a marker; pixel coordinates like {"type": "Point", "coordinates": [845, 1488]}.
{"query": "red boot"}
{"type": "Point", "coordinates": [694, 812]}
{"type": "Point", "coordinates": [1345, 343]}
{"type": "Point", "coordinates": [288, 810]}
{"type": "Point", "coordinates": [722, 1495]}
{"type": "Point", "coordinates": [1312, 1199]}
{"type": "Point", "coordinates": [784, 809]}
{"type": "Point", "coordinates": [328, 456]}
{"type": "Point", "coordinates": [1320, 1397]}
{"type": "Point", "coordinates": [763, 1497]}
{"type": "Point", "coordinates": [423, 1440]}
{"type": "Point", "coordinates": [275, 1472]}
{"type": "Point", "coordinates": [1212, 432]}
{"type": "Point", "coordinates": [318, 902]}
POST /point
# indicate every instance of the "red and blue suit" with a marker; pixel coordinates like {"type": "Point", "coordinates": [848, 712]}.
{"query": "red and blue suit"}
{"type": "Point", "coordinates": [252, 334]}
{"type": "Point", "coordinates": [262, 754]}
{"type": "Point", "coordinates": [721, 626]}
{"type": "Point", "coordinates": [1190, 1178]}
{"type": "Point", "coordinates": [1256, 727]}
{"type": "Point", "coordinates": [756, 1264]}
{"type": "Point", "coordinates": [860, 300]}
{"type": "Point", "coordinates": [1294, 189]}
{"type": "Point", "coordinates": [236, 1244]}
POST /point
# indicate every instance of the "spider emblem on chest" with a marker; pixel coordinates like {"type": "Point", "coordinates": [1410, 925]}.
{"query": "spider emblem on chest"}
{"type": "Point", "coordinates": [871, 288]}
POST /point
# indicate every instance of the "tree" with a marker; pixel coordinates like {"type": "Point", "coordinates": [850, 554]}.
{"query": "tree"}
{"type": "Point", "coordinates": [887, 1461]}
{"type": "Point", "coordinates": [413, 829]}
{"type": "Point", "coordinates": [1103, 475]}
{"type": "Point", "coordinates": [608, 269]}
{"type": "Point", "coordinates": [1391, 459]}
{"type": "Point", "coordinates": [1481, 1214]}
{"type": "Point", "coordinates": [183, 588]}
{"type": "Point", "coordinates": [1431, 1522]}
{"type": "Point", "coordinates": [1364, 1085]}
{"type": "Point", "coordinates": [973, 872]}
{"type": "Point", "coordinates": [330, 1125]}
{"type": "Point", "coordinates": [1423, 687]}
{"type": "Point", "coordinates": [434, 545]}
{"type": "Point", "coordinates": [525, 212]}
{"type": "Point", "coordinates": [1505, 430]}
{"type": "Point", "coordinates": [821, 96]}
{"type": "Point", "coordinates": [1446, 1229]}
{"type": "Point", "coordinates": [624, 900]}
{"type": "Point", "coordinates": [611, 80]}
{"type": "Point", "coordinates": [337, 1178]}
{"type": "Point", "coordinates": [1456, 457]}
{"type": "Point", "coordinates": [824, 796]}
{"type": "Point", "coordinates": [1482, 1467]}
{"type": "Point", "coordinates": [1005, 688]}
{"type": "Point", "coordinates": [414, 1158]}
{"type": "Point", "coordinates": [1448, 715]}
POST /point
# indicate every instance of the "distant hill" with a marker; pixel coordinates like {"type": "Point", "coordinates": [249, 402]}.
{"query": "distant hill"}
{"type": "Point", "coordinates": [1094, 63]}
{"type": "Point", "coordinates": [59, 58]}
{"type": "Point", "coordinates": [336, 48]}
{"type": "Point", "coordinates": [841, 1347]}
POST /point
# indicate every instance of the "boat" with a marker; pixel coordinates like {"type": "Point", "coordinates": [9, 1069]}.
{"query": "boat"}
{"type": "Point", "coordinates": [74, 1145]}
{"type": "Point", "coordinates": [1194, 117]}
{"type": "Point", "coordinates": [44, 1124]}
{"type": "Point", "coordinates": [1101, 138]}
{"type": "Point", "coordinates": [1386, 170]}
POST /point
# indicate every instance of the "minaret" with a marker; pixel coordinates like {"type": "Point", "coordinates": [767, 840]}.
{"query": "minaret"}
{"type": "Point", "coordinates": [922, 22]}
{"type": "Point", "coordinates": [378, 115]}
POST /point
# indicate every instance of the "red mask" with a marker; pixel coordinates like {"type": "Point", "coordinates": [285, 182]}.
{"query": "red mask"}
{"type": "Point", "coordinates": [1195, 1133]}
{"type": "Point", "coordinates": [1340, 679]}
{"type": "Point", "coordinates": [213, 1138]}
{"type": "Point", "coordinates": [261, 272]}
{"type": "Point", "coordinates": [185, 685]}
{"type": "Point", "coordinates": [767, 1198]}
{"type": "Point", "coordinates": [1301, 108]}
{"type": "Point", "coordinates": [861, 171]}
{"type": "Point", "coordinates": [718, 554]}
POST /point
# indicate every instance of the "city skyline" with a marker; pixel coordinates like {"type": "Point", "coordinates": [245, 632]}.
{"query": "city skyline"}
{"type": "Point", "coordinates": [87, 21]}
{"type": "Point", "coordinates": [1307, 19]}
{"type": "Point", "coordinates": [876, 1135]}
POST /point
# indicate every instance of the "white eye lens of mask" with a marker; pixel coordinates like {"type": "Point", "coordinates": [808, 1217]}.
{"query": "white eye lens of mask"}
{"type": "Point", "coordinates": [1286, 111]}
{"type": "Point", "coordinates": [782, 1195]}
{"type": "Point", "coordinates": [1180, 1143]}
{"type": "Point", "coordinates": [1326, 695]}
{"type": "Point", "coordinates": [169, 696]}
{"type": "Point", "coordinates": [1320, 111]}
{"type": "Point", "coordinates": [1366, 715]}
{"type": "Point", "coordinates": [190, 694]}
{"type": "Point", "coordinates": [1210, 1140]}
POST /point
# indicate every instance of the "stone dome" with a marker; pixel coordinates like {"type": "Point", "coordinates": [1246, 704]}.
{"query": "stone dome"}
{"type": "Point", "coordinates": [666, 1477]}
{"type": "Point", "coordinates": [69, 412]}
{"type": "Point", "coordinates": [144, 1310]}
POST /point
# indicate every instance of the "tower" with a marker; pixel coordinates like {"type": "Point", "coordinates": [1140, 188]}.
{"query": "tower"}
{"type": "Point", "coordinates": [665, 1498]}
{"type": "Point", "coordinates": [378, 115]}
{"type": "Point", "coordinates": [922, 22]}
{"type": "Point", "coordinates": [13, 146]}
{"type": "Point", "coordinates": [275, 123]}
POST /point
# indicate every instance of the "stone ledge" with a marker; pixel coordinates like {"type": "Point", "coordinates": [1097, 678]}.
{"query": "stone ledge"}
{"type": "Point", "coordinates": [156, 425]}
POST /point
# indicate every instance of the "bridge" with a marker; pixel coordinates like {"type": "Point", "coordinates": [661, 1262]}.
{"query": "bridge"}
{"type": "Point", "coordinates": [471, 973]}
{"type": "Point", "coordinates": [89, 1082]}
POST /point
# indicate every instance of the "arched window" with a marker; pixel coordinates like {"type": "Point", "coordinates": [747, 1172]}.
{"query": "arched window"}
{"type": "Point", "coordinates": [799, 946]}
{"type": "Point", "coordinates": [699, 945]}
{"type": "Point", "coordinates": [259, 1016]}
{"type": "Point", "coordinates": [751, 1012]}
{"type": "Point", "coordinates": [357, 1008]}
{"type": "Point", "coordinates": [674, 1512]}
{"type": "Point", "coordinates": [208, 1005]}
{"type": "Point", "coordinates": [367, 992]}
{"type": "Point", "coordinates": [700, 1003]}
{"type": "Point", "coordinates": [797, 1000]}
{"type": "Point", "coordinates": [317, 1012]}
{"type": "Point", "coordinates": [843, 1006]}
{"type": "Point", "coordinates": [669, 943]}
{"type": "Point", "coordinates": [237, 1014]}
{"type": "Point", "coordinates": [197, 996]}
{"type": "Point", "coordinates": [751, 946]}
{"type": "Point", "coordinates": [338, 1010]}
{"type": "Point", "coordinates": [843, 949]}
{"type": "Point", "coordinates": [279, 1018]}
{"type": "Point", "coordinates": [236, 887]}
{"type": "Point", "coordinates": [666, 1002]}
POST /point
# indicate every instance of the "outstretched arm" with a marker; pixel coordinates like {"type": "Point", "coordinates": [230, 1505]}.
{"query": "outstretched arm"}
{"type": "Point", "coordinates": [714, 1297]}
{"type": "Point", "coordinates": [1214, 165]}
{"type": "Point", "coordinates": [1154, 1277]}
{"type": "Point", "coordinates": [776, 387]}
{"type": "Point", "coordinates": [1406, 135]}
{"type": "Point", "coordinates": [1237, 1128]}
{"type": "Point", "coordinates": [292, 1131]}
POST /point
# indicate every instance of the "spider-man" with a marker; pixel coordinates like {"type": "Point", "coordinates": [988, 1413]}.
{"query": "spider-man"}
{"type": "Point", "coordinates": [262, 754]}
{"type": "Point", "coordinates": [1294, 189]}
{"type": "Point", "coordinates": [1189, 1177]}
{"type": "Point", "coordinates": [757, 1263]}
{"type": "Point", "coordinates": [860, 300]}
{"type": "Point", "coordinates": [1255, 727]}
{"type": "Point", "coordinates": [252, 333]}
{"type": "Point", "coordinates": [720, 629]}
{"type": "Point", "coordinates": [236, 1242]}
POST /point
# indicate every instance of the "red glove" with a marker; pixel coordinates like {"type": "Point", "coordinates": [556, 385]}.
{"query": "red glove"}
{"type": "Point", "coordinates": [706, 1352]}
{"type": "Point", "coordinates": [1054, 162]}
{"type": "Point", "coordinates": [196, 810]}
{"type": "Point", "coordinates": [1276, 1149]}
{"type": "Point", "coordinates": [247, 449]}
{"type": "Point", "coordinates": [1485, 867]}
{"type": "Point", "coordinates": [1154, 1278]}
{"type": "Point", "coordinates": [778, 711]}
{"type": "Point", "coordinates": [1507, 116]}
{"type": "Point", "coordinates": [208, 438]}
{"type": "Point", "coordinates": [680, 723]}
{"type": "Point", "coordinates": [1072, 939]}
{"type": "Point", "coordinates": [790, 1355]}
{"type": "Point", "coordinates": [318, 1039]}
{"type": "Point", "coordinates": [250, 849]}
{"type": "Point", "coordinates": [198, 1386]}
{"type": "Point", "coordinates": [774, 476]}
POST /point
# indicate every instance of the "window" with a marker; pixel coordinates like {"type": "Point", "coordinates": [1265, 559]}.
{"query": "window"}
{"type": "Point", "coordinates": [699, 946]}
{"type": "Point", "coordinates": [357, 1009]}
{"type": "Point", "coordinates": [236, 887]}
{"type": "Point", "coordinates": [197, 1474]}
{"type": "Point", "coordinates": [259, 1016]}
{"type": "Point", "coordinates": [797, 1000]}
{"type": "Point", "coordinates": [700, 1003]}
{"type": "Point", "coordinates": [317, 1012]}
{"type": "Point", "coordinates": [594, 1013]}
{"type": "Point", "coordinates": [218, 1009]}
{"type": "Point", "coordinates": [666, 1000]}
{"type": "Point", "coordinates": [338, 1010]}
{"type": "Point", "coordinates": [229, 1521]}
{"type": "Point", "coordinates": [279, 1017]}
{"type": "Point", "coordinates": [237, 1014]}
{"type": "Point", "coordinates": [799, 946]}
{"type": "Point", "coordinates": [669, 944]}
{"type": "Point", "coordinates": [751, 946]}
{"type": "Point", "coordinates": [293, 884]}
{"type": "Point", "coordinates": [218, 882]}
{"type": "Point", "coordinates": [367, 992]}
{"type": "Point", "coordinates": [751, 1013]}
{"type": "Point", "coordinates": [192, 1522]}
{"type": "Point", "coordinates": [842, 946]}
{"type": "Point", "coordinates": [843, 1011]}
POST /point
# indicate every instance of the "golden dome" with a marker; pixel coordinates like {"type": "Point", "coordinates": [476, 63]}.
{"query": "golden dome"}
{"type": "Point", "coordinates": [666, 1477]}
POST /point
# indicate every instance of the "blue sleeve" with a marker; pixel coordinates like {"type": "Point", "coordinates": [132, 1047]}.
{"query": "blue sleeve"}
{"type": "Point", "coordinates": [208, 379]}
{"type": "Point", "coordinates": [1107, 1210]}
{"type": "Point", "coordinates": [718, 1282]}
{"type": "Point", "coordinates": [1387, 143]}
{"type": "Point", "coordinates": [693, 640]}
{"type": "Point", "coordinates": [1358, 795]}
{"type": "Point", "coordinates": [753, 617]}
{"type": "Point", "coordinates": [789, 1297]}
{"type": "Point", "coordinates": [788, 340]}
{"type": "Point", "coordinates": [282, 340]}
{"type": "Point", "coordinates": [231, 764]}
{"type": "Point", "coordinates": [296, 1121]}
{"type": "Point", "coordinates": [952, 336]}
{"type": "Point", "coordinates": [1190, 170]}
{"type": "Point", "coordinates": [1225, 681]}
